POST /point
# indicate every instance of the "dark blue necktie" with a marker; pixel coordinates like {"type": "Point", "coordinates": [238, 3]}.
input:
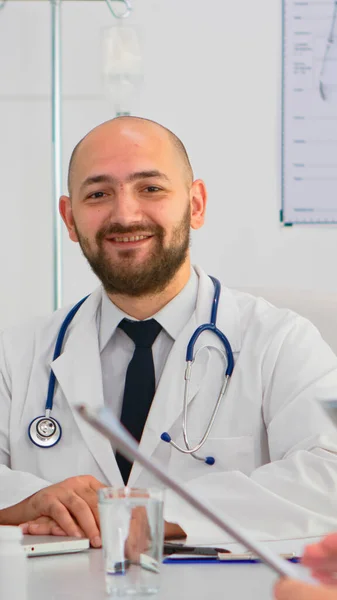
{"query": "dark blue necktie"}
{"type": "Point", "coordinates": [140, 383]}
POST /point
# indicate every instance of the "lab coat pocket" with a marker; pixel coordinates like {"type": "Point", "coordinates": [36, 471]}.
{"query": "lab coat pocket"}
{"type": "Point", "coordinates": [230, 454]}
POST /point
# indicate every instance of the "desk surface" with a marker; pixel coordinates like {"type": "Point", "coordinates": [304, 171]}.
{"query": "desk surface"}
{"type": "Point", "coordinates": [80, 576]}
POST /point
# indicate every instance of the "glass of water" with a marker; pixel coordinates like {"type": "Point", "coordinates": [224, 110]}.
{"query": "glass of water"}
{"type": "Point", "coordinates": [132, 528]}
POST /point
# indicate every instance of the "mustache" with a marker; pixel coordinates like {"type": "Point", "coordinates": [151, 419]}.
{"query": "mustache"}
{"type": "Point", "coordinates": [136, 228]}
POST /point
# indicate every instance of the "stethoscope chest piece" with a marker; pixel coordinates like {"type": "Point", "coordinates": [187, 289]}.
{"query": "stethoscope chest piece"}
{"type": "Point", "coordinates": [45, 432]}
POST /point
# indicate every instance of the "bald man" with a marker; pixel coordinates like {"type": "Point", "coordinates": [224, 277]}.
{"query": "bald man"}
{"type": "Point", "coordinates": [270, 458]}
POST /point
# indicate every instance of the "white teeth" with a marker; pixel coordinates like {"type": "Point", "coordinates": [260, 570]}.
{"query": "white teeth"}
{"type": "Point", "coordinates": [132, 238]}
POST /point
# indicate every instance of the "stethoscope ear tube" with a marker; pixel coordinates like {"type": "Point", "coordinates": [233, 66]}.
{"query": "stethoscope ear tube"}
{"type": "Point", "coordinates": [208, 460]}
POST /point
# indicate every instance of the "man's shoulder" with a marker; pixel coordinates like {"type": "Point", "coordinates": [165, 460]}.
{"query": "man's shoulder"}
{"type": "Point", "coordinates": [256, 309]}
{"type": "Point", "coordinates": [254, 302]}
{"type": "Point", "coordinates": [267, 323]}
{"type": "Point", "coordinates": [249, 305]}
{"type": "Point", "coordinates": [245, 315]}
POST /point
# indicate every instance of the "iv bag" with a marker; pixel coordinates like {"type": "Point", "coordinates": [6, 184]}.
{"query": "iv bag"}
{"type": "Point", "coordinates": [122, 65]}
{"type": "Point", "coordinates": [328, 76]}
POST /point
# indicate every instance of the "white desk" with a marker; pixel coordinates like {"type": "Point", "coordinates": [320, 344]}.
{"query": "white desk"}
{"type": "Point", "coordinates": [80, 576]}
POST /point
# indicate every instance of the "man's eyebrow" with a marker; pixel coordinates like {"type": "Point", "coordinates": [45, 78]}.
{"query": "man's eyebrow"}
{"type": "Point", "coordinates": [97, 179]}
{"type": "Point", "coordinates": [104, 178]}
{"type": "Point", "coordinates": [146, 175]}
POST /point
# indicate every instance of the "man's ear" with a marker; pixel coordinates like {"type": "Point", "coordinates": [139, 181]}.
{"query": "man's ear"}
{"type": "Point", "coordinates": [198, 200]}
{"type": "Point", "coordinates": [66, 213]}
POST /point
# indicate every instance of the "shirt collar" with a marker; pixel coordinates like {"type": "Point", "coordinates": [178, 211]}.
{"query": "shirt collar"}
{"type": "Point", "coordinates": [171, 317]}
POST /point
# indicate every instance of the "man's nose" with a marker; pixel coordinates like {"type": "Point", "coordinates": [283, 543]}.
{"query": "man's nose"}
{"type": "Point", "coordinates": [126, 208]}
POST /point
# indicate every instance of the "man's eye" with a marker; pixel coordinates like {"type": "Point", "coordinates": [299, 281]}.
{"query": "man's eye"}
{"type": "Point", "coordinates": [152, 188]}
{"type": "Point", "coordinates": [96, 195]}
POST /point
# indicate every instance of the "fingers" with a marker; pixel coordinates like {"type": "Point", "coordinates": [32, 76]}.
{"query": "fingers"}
{"type": "Point", "coordinates": [327, 547]}
{"type": "Point", "coordinates": [173, 531]}
{"type": "Point", "coordinates": [74, 515]}
{"type": "Point", "coordinates": [42, 526]}
{"type": "Point", "coordinates": [325, 576]}
{"type": "Point", "coordinates": [49, 505]}
{"type": "Point", "coordinates": [70, 506]}
{"type": "Point", "coordinates": [89, 495]}
{"type": "Point", "coordinates": [45, 529]}
{"type": "Point", "coordinates": [288, 589]}
{"type": "Point", "coordinates": [312, 554]}
{"type": "Point", "coordinates": [139, 537]}
{"type": "Point", "coordinates": [71, 517]}
{"type": "Point", "coordinates": [322, 560]}
{"type": "Point", "coordinates": [329, 544]}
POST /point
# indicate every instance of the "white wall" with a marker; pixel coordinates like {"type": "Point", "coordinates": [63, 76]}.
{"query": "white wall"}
{"type": "Point", "coordinates": [212, 75]}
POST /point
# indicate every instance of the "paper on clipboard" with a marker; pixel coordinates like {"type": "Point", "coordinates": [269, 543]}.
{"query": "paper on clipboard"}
{"type": "Point", "coordinates": [104, 421]}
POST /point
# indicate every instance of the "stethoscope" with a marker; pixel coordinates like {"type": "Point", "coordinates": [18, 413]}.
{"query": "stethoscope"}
{"type": "Point", "coordinates": [45, 431]}
{"type": "Point", "coordinates": [209, 460]}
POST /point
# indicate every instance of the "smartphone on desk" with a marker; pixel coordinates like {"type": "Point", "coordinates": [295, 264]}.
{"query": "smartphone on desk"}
{"type": "Point", "coordinates": [171, 548]}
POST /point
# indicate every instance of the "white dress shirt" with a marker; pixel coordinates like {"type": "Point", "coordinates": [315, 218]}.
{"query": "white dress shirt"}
{"type": "Point", "coordinates": [117, 348]}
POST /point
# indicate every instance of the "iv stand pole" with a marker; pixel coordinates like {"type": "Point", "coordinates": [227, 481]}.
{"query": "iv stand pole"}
{"type": "Point", "coordinates": [56, 138]}
{"type": "Point", "coordinates": [56, 150]}
{"type": "Point", "coordinates": [56, 141]}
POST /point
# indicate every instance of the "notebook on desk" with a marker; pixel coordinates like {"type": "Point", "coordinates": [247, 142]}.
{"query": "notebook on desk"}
{"type": "Point", "coordinates": [40, 545]}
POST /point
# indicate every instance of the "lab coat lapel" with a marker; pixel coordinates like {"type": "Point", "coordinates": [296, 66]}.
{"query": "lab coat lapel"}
{"type": "Point", "coordinates": [167, 404]}
{"type": "Point", "coordinates": [78, 373]}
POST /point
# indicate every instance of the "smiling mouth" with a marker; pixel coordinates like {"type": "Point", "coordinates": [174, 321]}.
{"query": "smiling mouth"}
{"type": "Point", "coordinates": [125, 239]}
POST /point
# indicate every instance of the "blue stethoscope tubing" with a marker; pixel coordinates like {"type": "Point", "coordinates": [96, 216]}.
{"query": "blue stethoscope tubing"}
{"type": "Point", "coordinates": [40, 426]}
{"type": "Point", "coordinates": [58, 350]}
{"type": "Point", "coordinates": [46, 432]}
{"type": "Point", "coordinates": [211, 326]}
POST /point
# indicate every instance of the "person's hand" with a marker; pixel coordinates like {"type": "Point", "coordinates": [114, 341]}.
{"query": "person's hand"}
{"type": "Point", "coordinates": [321, 558]}
{"type": "Point", "coordinates": [288, 589]}
{"type": "Point", "coordinates": [42, 526]}
{"type": "Point", "coordinates": [173, 531]}
{"type": "Point", "coordinates": [66, 508]}
{"type": "Point", "coordinates": [139, 537]}
{"type": "Point", "coordinates": [67, 521]}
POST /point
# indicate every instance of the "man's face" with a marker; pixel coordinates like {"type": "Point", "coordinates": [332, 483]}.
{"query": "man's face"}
{"type": "Point", "coordinates": [130, 208]}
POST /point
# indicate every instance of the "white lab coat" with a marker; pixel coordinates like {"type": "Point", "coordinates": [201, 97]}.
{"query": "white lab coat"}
{"type": "Point", "coordinates": [275, 451]}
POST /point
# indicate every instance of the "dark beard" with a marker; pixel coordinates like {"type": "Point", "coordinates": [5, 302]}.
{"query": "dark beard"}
{"type": "Point", "coordinates": [153, 275]}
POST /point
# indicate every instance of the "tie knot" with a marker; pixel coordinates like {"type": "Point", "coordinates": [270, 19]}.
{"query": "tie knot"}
{"type": "Point", "coordinates": [142, 333]}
